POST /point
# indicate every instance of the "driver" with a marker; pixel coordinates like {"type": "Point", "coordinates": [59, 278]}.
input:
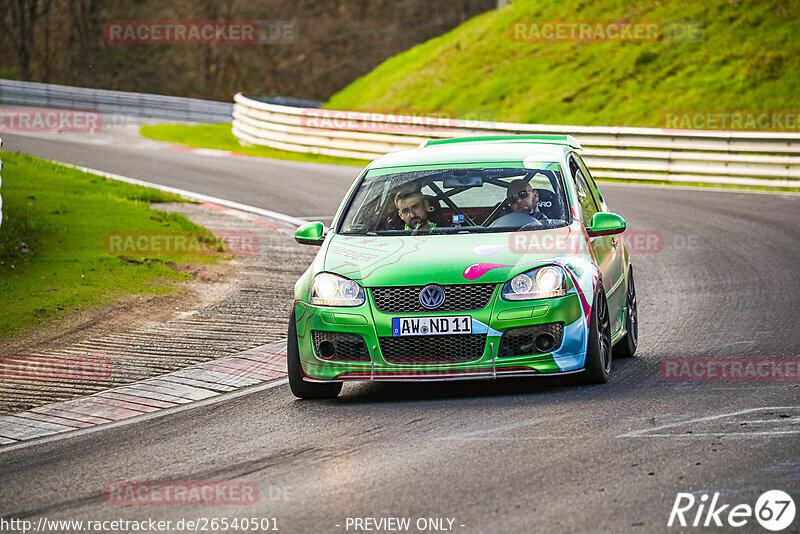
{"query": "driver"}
{"type": "Point", "coordinates": [413, 208]}
{"type": "Point", "coordinates": [522, 198]}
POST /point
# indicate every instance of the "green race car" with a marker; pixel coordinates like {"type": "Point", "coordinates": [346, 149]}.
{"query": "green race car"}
{"type": "Point", "coordinates": [478, 257]}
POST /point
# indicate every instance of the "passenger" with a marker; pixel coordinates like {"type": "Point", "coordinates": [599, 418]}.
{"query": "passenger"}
{"type": "Point", "coordinates": [413, 207]}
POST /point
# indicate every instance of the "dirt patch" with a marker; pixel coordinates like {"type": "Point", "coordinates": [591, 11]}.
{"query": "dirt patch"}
{"type": "Point", "coordinates": [226, 309]}
{"type": "Point", "coordinates": [210, 283]}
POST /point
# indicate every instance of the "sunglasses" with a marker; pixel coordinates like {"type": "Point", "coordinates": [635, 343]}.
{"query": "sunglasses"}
{"type": "Point", "coordinates": [518, 196]}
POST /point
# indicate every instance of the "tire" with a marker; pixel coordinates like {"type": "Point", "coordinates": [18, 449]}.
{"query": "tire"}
{"type": "Point", "coordinates": [626, 347]}
{"type": "Point", "coordinates": [300, 388]}
{"type": "Point", "coordinates": [598, 350]}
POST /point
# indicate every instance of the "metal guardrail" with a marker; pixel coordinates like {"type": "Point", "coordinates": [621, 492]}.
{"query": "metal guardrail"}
{"type": "Point", "coordinates": [33, 94]}
{"type": "Point", "coordinates": [713, 157]}
{"type": "Point", "coordinates": [289, 101]}
{"type": "Point", "coordinates": [13, 92]}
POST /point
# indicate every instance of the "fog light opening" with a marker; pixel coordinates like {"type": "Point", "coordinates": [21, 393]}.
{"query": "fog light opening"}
{"type": "Point", "coordinates": [327, 349]}
{"type": "Point", "coordinates": [544, 342]}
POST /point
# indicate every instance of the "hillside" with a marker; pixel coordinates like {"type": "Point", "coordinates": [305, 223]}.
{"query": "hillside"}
{"type": "Point", "coordinates": [748, 58]}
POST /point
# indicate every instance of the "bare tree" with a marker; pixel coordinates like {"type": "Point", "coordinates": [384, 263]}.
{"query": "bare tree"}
{"type": "Point", "coordinates": [215, 57]}
{"type": "Point", "coordinates": [334, 42]}
{"type": "Point", "coordinates": [20, 24]}
{"type": "Point", "coordinates": [84, 33]}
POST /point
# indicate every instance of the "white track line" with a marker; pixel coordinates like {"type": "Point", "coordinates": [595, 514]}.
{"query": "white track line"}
{"type": "Point", "coordinates": [648, 432]}
{"type": "Point", "coordinates": [735, 435]}
{"type": "Point", "coordinates": [294, 221]}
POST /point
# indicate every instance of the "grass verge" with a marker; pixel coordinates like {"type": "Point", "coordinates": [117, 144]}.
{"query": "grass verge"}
{"type": "Point", "coordinates": [53, 259]}
{"type": "Point", "coordinates": [219, 137]}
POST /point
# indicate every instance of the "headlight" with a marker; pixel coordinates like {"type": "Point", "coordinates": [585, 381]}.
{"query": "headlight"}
{"type": "Point", "coordinates": [542, 283]}
{"type": "Point", "coordinates": [332, 290]}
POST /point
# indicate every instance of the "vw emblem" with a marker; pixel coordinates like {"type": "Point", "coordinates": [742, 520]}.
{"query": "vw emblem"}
{"type": "Point", "coordinates": [431, 296]}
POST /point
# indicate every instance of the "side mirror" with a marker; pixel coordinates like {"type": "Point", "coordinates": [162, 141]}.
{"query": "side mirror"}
{"type": "Point", "coordinates": [605, 223]}
{"type": "Point", "coordinates": [312, 233]}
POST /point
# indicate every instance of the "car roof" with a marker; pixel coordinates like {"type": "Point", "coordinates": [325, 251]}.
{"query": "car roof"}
{"type": "Point", "coordinates": [498, 148]}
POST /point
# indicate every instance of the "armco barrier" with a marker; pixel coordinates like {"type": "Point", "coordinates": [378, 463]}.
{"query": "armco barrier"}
{"type": "Point", "coordinates": [34, 94]}
{"type": "Point", "coordinates": [713, 157]}
{"type": "Point", "coordinates": [17, 93]}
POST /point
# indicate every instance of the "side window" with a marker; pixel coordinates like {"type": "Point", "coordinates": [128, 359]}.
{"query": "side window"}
{"type": "Point", "coordinates": [584, 193]}
{"type": "Point", "coordinates": [595, 191]}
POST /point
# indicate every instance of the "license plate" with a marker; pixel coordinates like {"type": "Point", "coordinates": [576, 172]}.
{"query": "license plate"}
{"type": "Point", "coordinates": [431, 326]}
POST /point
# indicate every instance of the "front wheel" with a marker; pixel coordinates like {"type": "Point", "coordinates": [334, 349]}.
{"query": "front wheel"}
{"type": "Point", "coordinates": [626, 347]}
{"type": "Point", "coordinates": [598, 350]}
{"type": "Point", "coordinates": [300, 388]}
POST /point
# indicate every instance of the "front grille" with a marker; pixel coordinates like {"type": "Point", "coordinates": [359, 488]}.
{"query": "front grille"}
{"type": "Point", "coordinates": [521, 341]}
{"type": "Point", "coordinates": [433, 349]}
{"type": "Point", "coordinates": [339, 346]}
{"type": "Point", "coordinates": [405, 299]}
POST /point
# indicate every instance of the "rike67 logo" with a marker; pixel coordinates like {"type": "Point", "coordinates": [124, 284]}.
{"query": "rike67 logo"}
{"type": "Point", "coordinates": [774, 510]}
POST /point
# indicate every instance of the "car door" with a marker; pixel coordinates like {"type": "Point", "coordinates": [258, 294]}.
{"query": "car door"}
{"type": "Point", "coordinates": [604, 247]}
{"type": "Point", "coordinates": [616, 256]}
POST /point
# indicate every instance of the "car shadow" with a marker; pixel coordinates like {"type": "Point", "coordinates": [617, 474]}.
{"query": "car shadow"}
{"type": "Point", "coordinates": [369, 392]}
{"type": "Point", "coordinates": [420, 391]}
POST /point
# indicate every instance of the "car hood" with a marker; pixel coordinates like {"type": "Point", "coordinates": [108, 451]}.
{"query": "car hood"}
{"type": "Point", "coordinates": [445, 259]}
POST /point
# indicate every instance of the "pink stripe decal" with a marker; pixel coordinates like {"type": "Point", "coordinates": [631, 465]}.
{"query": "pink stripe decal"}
{"type": "Point", "coordinates": [476, 270]}
{"type": "Point", "coordinates": [587, 308]}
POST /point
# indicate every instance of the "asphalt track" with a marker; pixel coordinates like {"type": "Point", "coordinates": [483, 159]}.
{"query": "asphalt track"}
{"type": "Point", "coordinates": [504, 456]}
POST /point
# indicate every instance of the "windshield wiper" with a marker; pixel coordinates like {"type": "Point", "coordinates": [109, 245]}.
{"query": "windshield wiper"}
{"type": "Point", "coordinates": [455, 229]}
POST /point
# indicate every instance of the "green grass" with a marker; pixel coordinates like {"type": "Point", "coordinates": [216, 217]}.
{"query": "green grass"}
{"type": "Point", "coordinates": [748, 59]}
{"type": "Point", "coordinates": [52, 242]}
{"type": "Point", "coordinates": [219, 137]}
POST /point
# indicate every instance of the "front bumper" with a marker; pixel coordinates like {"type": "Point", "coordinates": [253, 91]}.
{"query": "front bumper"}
{"type": "Point", "coordinates": [491, 322]}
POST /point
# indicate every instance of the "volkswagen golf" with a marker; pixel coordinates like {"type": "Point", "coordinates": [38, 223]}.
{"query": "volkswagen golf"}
{"type": "Point", "coordinates": [467, 258]}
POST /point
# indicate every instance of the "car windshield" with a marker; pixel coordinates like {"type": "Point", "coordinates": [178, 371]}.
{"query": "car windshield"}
{"type": "Point", "coordinates": [457, 200]}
